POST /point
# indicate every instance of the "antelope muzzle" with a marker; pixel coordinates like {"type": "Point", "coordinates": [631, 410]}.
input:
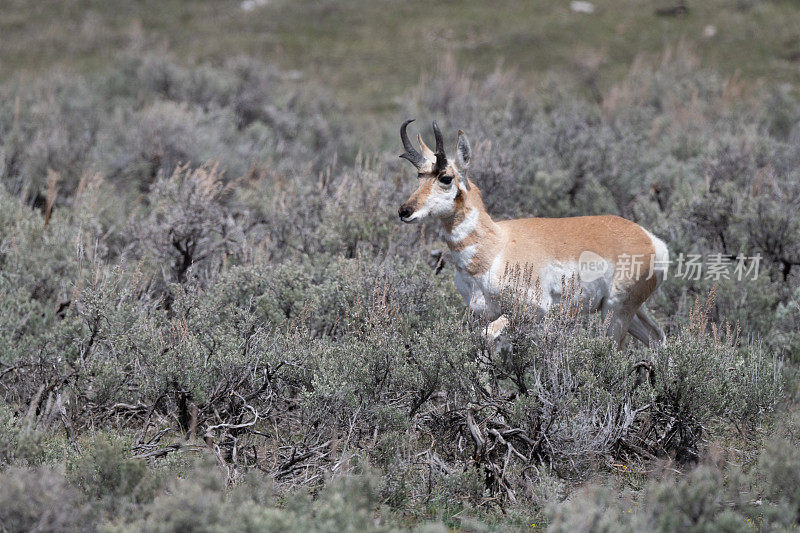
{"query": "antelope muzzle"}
{"type": "Point", "coordinates": [405, 212]}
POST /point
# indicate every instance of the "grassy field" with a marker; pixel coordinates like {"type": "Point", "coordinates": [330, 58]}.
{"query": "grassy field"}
{"type": "Point", "coordinates": [369, 52]}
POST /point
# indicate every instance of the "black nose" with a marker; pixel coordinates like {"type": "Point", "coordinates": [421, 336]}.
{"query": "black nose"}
{"type": "Point", "coordinates": [404, 212]}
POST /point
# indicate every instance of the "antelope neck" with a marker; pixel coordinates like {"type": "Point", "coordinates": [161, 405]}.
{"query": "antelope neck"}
{"type": "Point", "coordinates": [470, 225]}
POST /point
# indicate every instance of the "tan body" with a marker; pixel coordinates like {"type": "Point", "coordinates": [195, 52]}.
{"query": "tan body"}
{"type": "Point", "coordinates": [539, 258]}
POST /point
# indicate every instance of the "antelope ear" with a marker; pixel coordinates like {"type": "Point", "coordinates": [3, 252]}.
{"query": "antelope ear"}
{"type": "Point", "coordinates": [463, 151]}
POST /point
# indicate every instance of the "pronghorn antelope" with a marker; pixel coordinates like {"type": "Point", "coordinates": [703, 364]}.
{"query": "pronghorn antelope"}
{"type": "Point", "coordinates": [553, 250]}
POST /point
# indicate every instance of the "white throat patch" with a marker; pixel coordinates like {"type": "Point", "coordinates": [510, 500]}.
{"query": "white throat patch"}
{"type": "Point", "coordinates": [464, 228]}
{"type": "Point", "coordinates": [463, 258]}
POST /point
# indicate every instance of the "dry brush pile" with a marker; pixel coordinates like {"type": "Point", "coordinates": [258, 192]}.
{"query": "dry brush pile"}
{"type": "Point", "coordinates": [199, 262]}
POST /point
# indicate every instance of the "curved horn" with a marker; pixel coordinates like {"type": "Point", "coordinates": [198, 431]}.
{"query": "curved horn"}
{"type": "Point", "coordinates": [441, 158]}
{"type": "Point", "coordinates": [413, 156]}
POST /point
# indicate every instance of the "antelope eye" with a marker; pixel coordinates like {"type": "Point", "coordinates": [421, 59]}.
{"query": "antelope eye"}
{"type": "Point", "coordinates": [446, 179]}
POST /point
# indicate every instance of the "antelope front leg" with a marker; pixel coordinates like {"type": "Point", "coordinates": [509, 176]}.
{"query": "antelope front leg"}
{"type": "Point", "coordinates": [498, 342]}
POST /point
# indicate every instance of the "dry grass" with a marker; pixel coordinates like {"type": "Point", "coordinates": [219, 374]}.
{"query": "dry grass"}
{"type": "Point", "coordinates": [370, 52]}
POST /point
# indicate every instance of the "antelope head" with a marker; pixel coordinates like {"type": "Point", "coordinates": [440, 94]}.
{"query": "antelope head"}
{"type": "Point", "coordinates": [440, 180]}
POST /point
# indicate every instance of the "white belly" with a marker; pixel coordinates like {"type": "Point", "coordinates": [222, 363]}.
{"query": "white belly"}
{"type": "Point", "coordinates": [560, 281]}
{"type": "Point", "coordinates": [557, 281]}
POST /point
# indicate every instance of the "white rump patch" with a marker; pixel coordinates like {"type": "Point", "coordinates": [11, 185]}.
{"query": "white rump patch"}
{"type": "Point", "coordinates": [661, 259]}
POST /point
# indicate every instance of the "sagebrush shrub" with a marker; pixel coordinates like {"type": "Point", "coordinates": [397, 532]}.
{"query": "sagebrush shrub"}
{"type": "Point", "coordinates": [197, 258]}
{"type": "Point", "coordinates": [41, 500]}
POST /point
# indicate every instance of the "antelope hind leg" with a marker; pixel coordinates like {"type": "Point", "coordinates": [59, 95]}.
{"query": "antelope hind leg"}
{"type": "Point", "coordinates": [656, 333]}
{"type": "Point", "coordinates": [645, 329]}
{"type": "Point", "coordinates": [640, 331]}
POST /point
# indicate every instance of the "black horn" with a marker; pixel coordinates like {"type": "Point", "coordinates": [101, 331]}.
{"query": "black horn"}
{"type": "Point", "coordinates": [411, 153]}
{"type": "Point", "coordinates": [441, 158]}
